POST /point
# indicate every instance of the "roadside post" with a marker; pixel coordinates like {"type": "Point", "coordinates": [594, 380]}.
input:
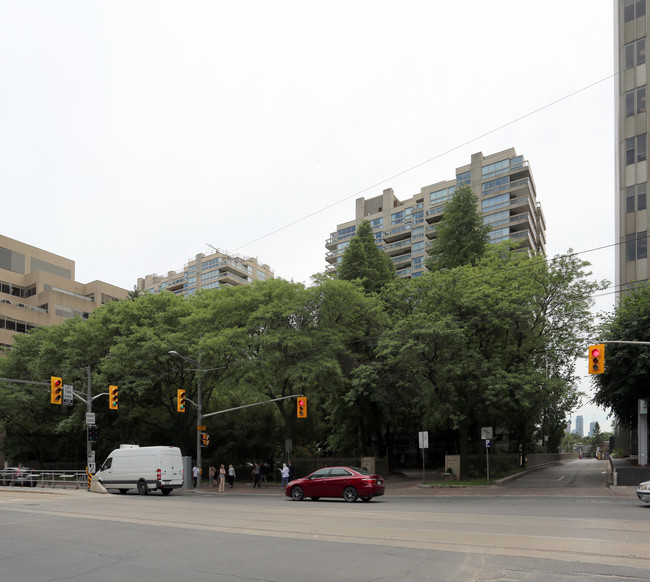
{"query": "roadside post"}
{"type": "Point", "coordinates": [423, 438]}
{"type": "Point", "coordinates": [486, 435]}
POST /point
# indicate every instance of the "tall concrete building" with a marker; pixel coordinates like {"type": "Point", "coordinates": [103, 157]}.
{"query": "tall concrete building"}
{"type": "Point", "coordinates": [38, 288]}
{"type": "Point", "coordinates": [218, 269]}
{"type": "Point", "coordinates": [502, 182]}
{"type": "Point", "coordinates": [580, 430]}
{"type": "Point", "coordinates": [630, 31]}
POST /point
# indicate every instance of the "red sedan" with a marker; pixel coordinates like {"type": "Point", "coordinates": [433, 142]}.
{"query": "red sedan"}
{"type": "Point", "coordinates": [350, 483]}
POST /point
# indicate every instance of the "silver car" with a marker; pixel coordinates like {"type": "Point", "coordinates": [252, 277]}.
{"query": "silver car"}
{"type": "Point", "coordinates": [643, 491]}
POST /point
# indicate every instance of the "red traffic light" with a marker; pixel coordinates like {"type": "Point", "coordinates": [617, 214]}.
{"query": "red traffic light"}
{"type": "Point", "coordinates": [595, 353]}
{"type": "Point", "coordinates": [301, 402]}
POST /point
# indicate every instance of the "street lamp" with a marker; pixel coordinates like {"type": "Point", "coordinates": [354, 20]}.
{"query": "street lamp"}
{"type": "Point", "coordinates": [197, 366]}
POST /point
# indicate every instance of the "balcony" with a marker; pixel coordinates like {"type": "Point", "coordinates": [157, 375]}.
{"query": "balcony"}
{"type": "Point", "coordinates": [397, 248]}
{"type": "Point", "coordinates": [434, 214]}
{"type": "Point", "coordinates": [399, 233]}
{"type": "Point", "coordinates": [402, 261]}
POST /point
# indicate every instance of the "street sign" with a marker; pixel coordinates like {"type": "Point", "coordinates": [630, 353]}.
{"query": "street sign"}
{"type": "Point", "coordinates": [68, 397]}
{"type": "Point", "coordinates": [90, 418]}
{"type": "Point", "coordinates": [423, 437]}
{"type": "Point", "coordinates": [486, 432]}
{"type": "Point", "coordinates": [92, 468]}
{"type": "Point", "coordinates": [201, 427]}
{"type": "Point", "coordinates": [488, 443]}
{"type": "Point", "coordinates": [91, 457]}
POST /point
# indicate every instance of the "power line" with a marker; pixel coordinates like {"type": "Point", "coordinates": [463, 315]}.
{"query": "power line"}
{"type": "Point", "coordinates": [429, 160]}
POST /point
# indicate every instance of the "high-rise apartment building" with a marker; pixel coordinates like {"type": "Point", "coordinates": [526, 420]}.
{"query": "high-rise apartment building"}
{"type": "Point", "coordinates": [37, 288]}
{"type": "Point", "coordinates": [218, 269]}
{"type": "Point", "coordinates": [630, 31]}
{"type": "Point", "coordinates": [504, 186]}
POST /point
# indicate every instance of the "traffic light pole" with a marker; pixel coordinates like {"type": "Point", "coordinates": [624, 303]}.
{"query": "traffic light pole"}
{"type": "Point", "coordinates": [642, 414]}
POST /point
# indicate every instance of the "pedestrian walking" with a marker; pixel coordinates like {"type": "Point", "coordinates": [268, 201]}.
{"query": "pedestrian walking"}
{"type": "Point", "coordinates": [292, 473]}
{"type": "Point", "coordinates": [211, 474]}
{"type": "Point", "coordinates": [231, 476]}
{"type": "Point", "coordinates": [256, 475]}
{"type": "Point", "coordinates": [195, 474]}
{"type": "Point", "coordinates": [285, 475]}
{"type": "Point", "coordinates": [263, 472]}
{"type": "Point", "coordinates": [222, 478]}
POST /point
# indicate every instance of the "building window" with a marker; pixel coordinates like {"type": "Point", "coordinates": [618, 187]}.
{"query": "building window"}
{"type": "Point", "coordinates": [635, 197]}
{"type": "Point", "coordinates": [377, 222]}
{"type": "Point", "coordinates": [629, 104]}
{"type": "Point", "coordinates": [464, 179]}
{"type": "Point", "coordinates": [640, 100]}
{"type": "Point", "coordinates": [636, 149]}
{"type": "Point", "coordinates": [636, 246]}
{"type": "Point", "coordinates": [397, 217]}
{"type": "Point", "coordinates": [635, 53]}
{"type": "Point", "coordinates": [633, 9]}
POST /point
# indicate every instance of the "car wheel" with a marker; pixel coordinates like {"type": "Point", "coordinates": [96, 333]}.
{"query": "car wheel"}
{"type": "Point", "coordinates": [166, 491]}
{"type": "Point", "coordinates": [315, 498]}
{"type": "Point", "coordinates": [142, 488]}
{"type": "Point", "coordinates": [350, 494]}
{"type": "Point", "coordinates": [122, 491]}
{"type": "Point", "coordinates": [297, 494]}
{"type": "Point", "coordinates": [366, 499]}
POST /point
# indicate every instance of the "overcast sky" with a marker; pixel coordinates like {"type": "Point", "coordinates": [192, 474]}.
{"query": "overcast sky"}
{"type": "Point", "coordinates": [133, 134]}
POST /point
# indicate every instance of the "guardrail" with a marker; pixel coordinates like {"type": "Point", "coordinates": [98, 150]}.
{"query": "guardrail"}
{"type": "Point", "coordinates": [50, 479]}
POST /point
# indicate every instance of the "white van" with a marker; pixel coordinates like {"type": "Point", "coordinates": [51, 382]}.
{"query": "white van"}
{"type": "Point", "coordinates": [142, 468]}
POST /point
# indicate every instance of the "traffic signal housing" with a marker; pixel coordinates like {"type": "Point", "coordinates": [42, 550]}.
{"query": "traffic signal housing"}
{"type": "Point", "coordinates": [112, 397]}
{"type": "Point", "coordinates": [205, 439]}
{"type": "Point", "coordinates": [301, 410]}
{"type": "Point", "coordinates": [56, 390]}
{"type": "Point", "coordinates": [597, 359]}
{"type": "Point", "coordinates": [180, 401]}
{"type": "Point", "coordinates": [93, 433]}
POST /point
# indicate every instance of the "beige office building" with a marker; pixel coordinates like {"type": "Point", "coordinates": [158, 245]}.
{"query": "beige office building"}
{"type": "Point", "coordinates": [630, 31]}
{"type": "Point", "coordinates": [504, 186]}
{"type": "Point", "coordinates": [219, 269]}
{"type": "Point", "coordinates": [38, 288]}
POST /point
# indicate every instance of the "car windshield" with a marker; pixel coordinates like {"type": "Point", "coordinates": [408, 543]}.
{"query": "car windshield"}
{"type": "Point", "coordinates": [359, 470]}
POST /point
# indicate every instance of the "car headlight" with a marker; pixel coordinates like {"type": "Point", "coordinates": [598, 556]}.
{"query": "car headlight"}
{"type": "Point", "coordinates": [645, 486]}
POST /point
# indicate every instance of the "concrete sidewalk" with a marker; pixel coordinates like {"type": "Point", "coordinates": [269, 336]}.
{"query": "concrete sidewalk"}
{"type": "Point", "coordinates": [410, 484]}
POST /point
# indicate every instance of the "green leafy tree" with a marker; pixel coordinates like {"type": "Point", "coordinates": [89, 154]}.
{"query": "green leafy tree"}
{"type": "Point", "coordinates": [627, 366]}
{"type": "Point", "coordinates": [365, 261]}
{"type": "Point", "coordinates": [494, 345]}
{"type": "Point", "coordinates": [461, 236]}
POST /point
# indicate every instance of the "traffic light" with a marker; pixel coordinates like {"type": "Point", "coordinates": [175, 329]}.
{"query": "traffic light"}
{"type": "Point", "coordinates": [205, 439]}
{"type": "Point", "coordinates": [597, 359]}
{"type": "Point", "coordinates": [93, 433]}
{"type": "Point", "coordinates": [180, 400]}
{"type": "Point", "coordinates": [112, 397]}
{"type": "Point", "coordinates": [302, 407]}
{"type": "Point", "coordinates": [56, 388]}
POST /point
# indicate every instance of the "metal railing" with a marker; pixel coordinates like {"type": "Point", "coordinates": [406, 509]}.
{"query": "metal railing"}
{"type": "Point", "coordinates": [51, 479]}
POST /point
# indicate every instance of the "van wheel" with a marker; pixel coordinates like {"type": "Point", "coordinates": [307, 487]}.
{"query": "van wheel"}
{"type": "Point", "coordinates": [166, 491]}
{"type": "Point", "coordinates": [123, 491]}
{"type": "Point", "coordinates": [142, 488]}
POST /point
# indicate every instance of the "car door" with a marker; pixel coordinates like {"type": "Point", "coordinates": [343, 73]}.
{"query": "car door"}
{"type": "Point", "coordinates": [316, 485]}
{"type": "Point", "coordinates": [338, 480]}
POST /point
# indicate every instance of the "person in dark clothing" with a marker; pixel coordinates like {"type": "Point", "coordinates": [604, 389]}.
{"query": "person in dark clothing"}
{"type": "Point", "coordinates": [256, 475]}
{"type": "Point", "coordinates": [292, 472]}
{"type": "Point", "coordinates": [263, 472]}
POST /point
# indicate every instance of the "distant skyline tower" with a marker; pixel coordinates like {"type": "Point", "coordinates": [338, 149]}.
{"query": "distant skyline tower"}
{"type": "Point", "coordinates": [580, 425]}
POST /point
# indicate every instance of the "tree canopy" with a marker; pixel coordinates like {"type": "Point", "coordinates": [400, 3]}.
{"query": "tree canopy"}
{"type": "Point", "coordinates": [461, 236]}
{"type": "Point", "coordinates": [365, 261]}
{"type": "Point", "coordinates": [627, 366]}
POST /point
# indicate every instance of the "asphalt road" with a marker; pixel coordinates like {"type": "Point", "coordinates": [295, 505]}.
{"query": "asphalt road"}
{"type": "Point", "coordinates": [252, 535]}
